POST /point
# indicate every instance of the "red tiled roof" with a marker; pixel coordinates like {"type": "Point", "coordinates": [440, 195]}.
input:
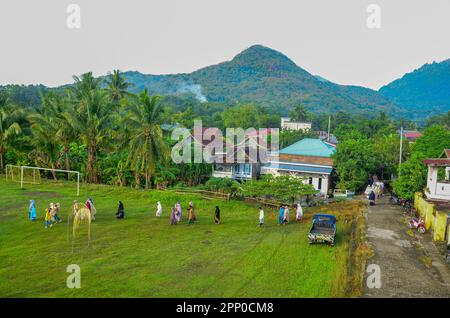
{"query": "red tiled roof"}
{"type": "Point", "coordinates": [412, 134]}
{"type": "Point", "coordinates": [437, 162]}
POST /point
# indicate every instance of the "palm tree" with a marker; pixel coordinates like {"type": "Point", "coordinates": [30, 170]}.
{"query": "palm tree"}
{"type": "Point", "coordinates": [9, 124]}
{"type": "Point", "coordinates": [299, 113]}
{"type": "Point", "coordinates": [85, 84]}
{"type": "Point", "coordinates": [118, 87]}
{"type": "Point", "coordinates": [44, 128]}
{"type": "Point", "coordinates": [57, 105]}
{"type": "Point", "coordinates": [146, 144]}
{"type": "Point", "coordinates": [90, 118]}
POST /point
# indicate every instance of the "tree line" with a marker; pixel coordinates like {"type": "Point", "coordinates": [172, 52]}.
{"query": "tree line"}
{"type": "Point", "coordinates": [113, 135]}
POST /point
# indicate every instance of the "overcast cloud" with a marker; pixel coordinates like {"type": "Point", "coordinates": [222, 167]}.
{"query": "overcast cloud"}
{"type": "Point", "coordinates": [326, 37]}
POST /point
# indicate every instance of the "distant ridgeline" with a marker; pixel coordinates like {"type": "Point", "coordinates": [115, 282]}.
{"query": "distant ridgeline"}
{"type": "Point", "coordinates": [422, 92]}
{"type": "Point", "coordinates": [268, 78]}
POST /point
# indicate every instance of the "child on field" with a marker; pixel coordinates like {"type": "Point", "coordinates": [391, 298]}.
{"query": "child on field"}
{"type": "Point", "coordinates": [54, 210]}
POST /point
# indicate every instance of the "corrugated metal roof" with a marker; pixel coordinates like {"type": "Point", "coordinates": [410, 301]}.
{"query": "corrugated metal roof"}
{"type": "Point", "coordinates": [309, 147]}
{"type": "Point", "coordinates": [299, 168]}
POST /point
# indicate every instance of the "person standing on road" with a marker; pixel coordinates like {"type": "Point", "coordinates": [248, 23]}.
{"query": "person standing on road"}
{"type": "Point", "coordinates": [372, 198]}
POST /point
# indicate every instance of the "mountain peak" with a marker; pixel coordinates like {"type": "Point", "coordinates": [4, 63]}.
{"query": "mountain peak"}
{"type": "Point", "coordinates": [261, 54]}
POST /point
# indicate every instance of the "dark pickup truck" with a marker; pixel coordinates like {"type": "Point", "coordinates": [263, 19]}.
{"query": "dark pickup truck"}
{"type": "Point", "coordinates": [323, 229]}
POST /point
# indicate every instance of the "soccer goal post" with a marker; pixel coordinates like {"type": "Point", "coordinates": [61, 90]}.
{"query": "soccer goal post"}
{"type": "Point", "coordinates": [31, 175]}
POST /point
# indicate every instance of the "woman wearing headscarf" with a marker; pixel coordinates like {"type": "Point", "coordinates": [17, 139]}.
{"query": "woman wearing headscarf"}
{"type": "Point", "coordinates": [261, 216]}
{"type": "Point", "coordinates": [90, 205]}
{"type": "Point", "coordinates": [120, 211]}
{"type": "Point", "coordinates": [32, 211]}
{"type": "Point", "coordinates": [191, 214]}
{"type": "Point", "coordinates": [173, 218]}
{"type": "Point", "coordinates": [286, 215]}
{"type": "Point", "coordinates": [158, 209]}
{"type": "Point", "coordinates": [298, 213]}
{"type": "Point", "coordinates": [178, 211]}
{"type": "Point", "coordinates": [217, 215]}
{"type": "Point", "coordinates": [281, 215]}
{"type": "Point", "coordinates": [372, 198]}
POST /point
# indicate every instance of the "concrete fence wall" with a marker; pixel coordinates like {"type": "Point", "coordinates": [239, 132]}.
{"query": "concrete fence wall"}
{"type": "Point", "coordinates": [435, 221]}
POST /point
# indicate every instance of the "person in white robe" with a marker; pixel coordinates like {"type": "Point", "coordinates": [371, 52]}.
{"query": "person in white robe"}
{"type": "Point", "coordinates": [158, 209]}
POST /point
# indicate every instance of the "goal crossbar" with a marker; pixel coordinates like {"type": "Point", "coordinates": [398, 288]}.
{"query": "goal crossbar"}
{"type": "Point", "coordinates": [44, 169]}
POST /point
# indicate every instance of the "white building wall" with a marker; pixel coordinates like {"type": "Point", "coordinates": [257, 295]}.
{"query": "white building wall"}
{"type": "Point", "coordinates": [436, 190]}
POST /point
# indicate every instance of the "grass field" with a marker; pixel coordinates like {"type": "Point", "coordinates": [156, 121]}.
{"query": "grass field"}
{"type": "Point", "coordinates": [143, 256]}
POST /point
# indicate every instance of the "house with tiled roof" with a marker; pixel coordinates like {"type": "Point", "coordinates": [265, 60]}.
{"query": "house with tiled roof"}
{"type": "Point", "coordinates": [434, 206]}
{"type": "Point", "coordinates": [309, 158]}
{"type": "Point", "coordinates": [439, 189]}
{"type": "Point", "coordinates": [411, 135]}
{"type": "Point", "coordinates": [250, 150]}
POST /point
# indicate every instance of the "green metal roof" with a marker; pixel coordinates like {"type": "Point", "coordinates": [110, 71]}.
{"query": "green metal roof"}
{"type": "Point", "coordinates": [309, 147]}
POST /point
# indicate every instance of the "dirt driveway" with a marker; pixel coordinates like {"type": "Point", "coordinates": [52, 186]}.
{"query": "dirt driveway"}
{"type": "Point", "coordinates": [410, 265]}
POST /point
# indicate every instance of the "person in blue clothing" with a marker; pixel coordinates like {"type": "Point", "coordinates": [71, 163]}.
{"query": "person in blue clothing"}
{"type": "Point", "coordinates": [281, 215]}
{"type": "Point", "coordinates": [32, 211]}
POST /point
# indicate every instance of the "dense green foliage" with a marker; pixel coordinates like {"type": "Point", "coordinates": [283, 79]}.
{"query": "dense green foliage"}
{"type": "Point", "coordinates": [413, 172]}
{"type": "Point", "coordinates": [367, 147]}
{"type": "Point", "coordinates": [225, 185]}
{"type": "Point", "coordinates": [286, 189]}
{"type": "Point", "coordinates": [443, 120]}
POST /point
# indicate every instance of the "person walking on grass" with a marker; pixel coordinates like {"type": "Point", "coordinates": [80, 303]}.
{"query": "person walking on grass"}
{"type": "Point", "coordinates": [286, 215]}
{"type": "Point", "coordinates": [217, 215]}
{"type": "Point", "coordinates": [191, 214]}
{"type": "Point", "coordinates": [261, 216]}
{"type": "Point", "coordinates": [90, 205]}
{"type": "Point", "coordinates": [48, 218]}
{"type": "Point", "coordinates": [54, 210]}
{"type": "Point", "coordinates": [32, 211]}
{"type": "Point", "coordinates": [120, 211]}
{"type": "Point", "coordinates": [158, 209]}
{"type": "Point", "coordinates": [178, 211]}
{"type": "Point", "coordinates": [298, 212]}
{"type": "Point", "coordinates": [173, 217]}
{"type": "Point", "coordinates": [281, 215]}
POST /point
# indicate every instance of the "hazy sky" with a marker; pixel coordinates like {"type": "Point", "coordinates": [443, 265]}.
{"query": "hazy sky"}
{"type": "Point", "coordinates": [326, 37]}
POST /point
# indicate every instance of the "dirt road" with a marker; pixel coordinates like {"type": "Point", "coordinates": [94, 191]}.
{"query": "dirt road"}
{"type": "Point", "coordinates": [410, 265]}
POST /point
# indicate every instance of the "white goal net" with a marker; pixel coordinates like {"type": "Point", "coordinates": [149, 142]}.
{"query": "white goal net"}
{"type": "Point", "coordinates": [32, 175]}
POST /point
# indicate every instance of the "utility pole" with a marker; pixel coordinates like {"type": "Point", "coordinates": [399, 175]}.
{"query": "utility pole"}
{"type": "Point", "coordinates": [401, 150]}
{"type": "Point", "coordinates": [329, 125]}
